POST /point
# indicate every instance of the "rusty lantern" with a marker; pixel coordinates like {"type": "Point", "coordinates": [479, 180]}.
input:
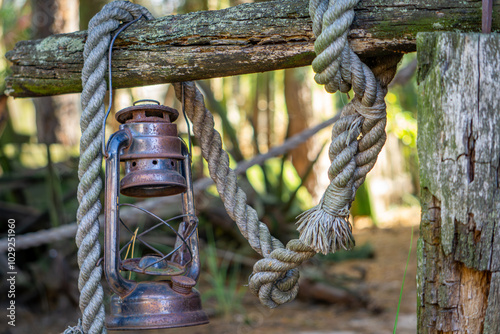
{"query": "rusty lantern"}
{"type": "Point", "coordinates": [157, 163]}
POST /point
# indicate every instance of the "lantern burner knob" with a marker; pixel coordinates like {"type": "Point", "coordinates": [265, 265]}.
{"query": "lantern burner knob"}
{"type": "Point", "coordinates": [183, 284]}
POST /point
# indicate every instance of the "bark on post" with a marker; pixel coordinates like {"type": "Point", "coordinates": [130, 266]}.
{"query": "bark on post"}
{"type": "Point", "coordinates": [459, 150]}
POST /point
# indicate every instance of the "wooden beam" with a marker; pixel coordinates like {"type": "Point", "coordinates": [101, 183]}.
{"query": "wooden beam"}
{"type": "Point", "coordinates": [247, 38]}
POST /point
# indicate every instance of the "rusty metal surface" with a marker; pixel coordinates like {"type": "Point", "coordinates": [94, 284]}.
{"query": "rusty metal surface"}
{"type": "Point", "coordinates": [157, 163]}
{"type": "Point", "coordinates": [152, 158]}
{"type": "Point", "coordinates": [161, 268]}
{"type": "Point", "coordinates": [152, 183]}
{"type": "Point", "coordinates": [183, 284]}
{"type": "Point", "coordinates": [147, 113]}
{"type": "Point", "coordinates": [155, 305]}
{"type": "Point", "coordinates": [112, 260]}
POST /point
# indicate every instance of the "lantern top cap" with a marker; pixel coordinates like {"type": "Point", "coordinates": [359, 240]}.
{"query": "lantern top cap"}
{"type": "Point", "coordinates": [147, 113]}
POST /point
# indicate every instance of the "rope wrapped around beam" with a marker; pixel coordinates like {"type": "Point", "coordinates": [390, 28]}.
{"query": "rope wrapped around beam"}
{"type": "Point", "coordinates": [357, 137]}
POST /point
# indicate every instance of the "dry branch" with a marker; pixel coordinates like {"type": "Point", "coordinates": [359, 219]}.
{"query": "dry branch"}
{"type": "Point", "coordinates": [247, 38]}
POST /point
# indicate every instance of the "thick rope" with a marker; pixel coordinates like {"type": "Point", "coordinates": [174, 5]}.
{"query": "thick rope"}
{"type": "Point", "coordinates": [49, 236]}
{"type": "Point", "coordinates": [90, 186]}
{"type": "Point", "coordinates": [275, 278]}
{"type": "Point", "coordinates": [326, 227]}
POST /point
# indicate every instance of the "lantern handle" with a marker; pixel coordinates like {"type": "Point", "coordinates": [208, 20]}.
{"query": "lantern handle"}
{"type": "Point", "coordinates": [110, 83]}
{"type": "Point", "coordinates": [145, 100]}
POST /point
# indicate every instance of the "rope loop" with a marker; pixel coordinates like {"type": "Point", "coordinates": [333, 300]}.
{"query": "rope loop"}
{"type": "Point", "coordinates": [373, 112]}
{"type": "Point", "coordinates": [357, 137]}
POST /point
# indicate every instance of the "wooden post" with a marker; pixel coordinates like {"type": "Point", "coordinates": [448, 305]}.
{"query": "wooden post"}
{"type": "Point", "coordinates": [458, 277]}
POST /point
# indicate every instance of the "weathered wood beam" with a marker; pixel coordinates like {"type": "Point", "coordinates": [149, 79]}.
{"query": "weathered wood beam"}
{"type": "Point", "coordinates": [247, 38]}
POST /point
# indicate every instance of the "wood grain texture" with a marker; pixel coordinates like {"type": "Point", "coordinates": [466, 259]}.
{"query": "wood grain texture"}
{"type": "Point", "coordinates": [247, 38]}
{"type": "Point", "coordinates": [459, 155]}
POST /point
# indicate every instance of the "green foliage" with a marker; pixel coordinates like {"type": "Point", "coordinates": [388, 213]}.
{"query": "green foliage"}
{"type": "Point", "coordinates": [281, 195]}
{"type": "Point", "coordinates": [14, 18]}
{"type": "Point", "coordinates": [361, 205]}
{"type": "Point", "coordinates": [401, 109]}
{"type": "Point", "coordinates": [402, 122]}
{"type": "Point", "coordinates": [223, 279]}
{"type": "Point", "coordinates": [403, 282]}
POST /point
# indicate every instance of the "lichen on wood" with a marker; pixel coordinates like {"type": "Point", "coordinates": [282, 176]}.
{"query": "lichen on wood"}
{"type": "Point", "coordinates": [248, 38]}
{"type": "Point", "coordinates": [459, 155]}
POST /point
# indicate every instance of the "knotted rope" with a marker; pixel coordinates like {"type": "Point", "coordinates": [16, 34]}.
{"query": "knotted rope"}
{"type": "Point", "coordinates": [275, 278]}
{"type": "Point", "coordinates": [326, 227]}
{"type": "Point", "coordinates": [90, 186]}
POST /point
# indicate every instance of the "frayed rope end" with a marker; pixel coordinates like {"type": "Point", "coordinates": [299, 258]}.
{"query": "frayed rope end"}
{"type": "Point", "coordinates": [78, 329]}
{"type": "Point", "coordinates": [324, 232]}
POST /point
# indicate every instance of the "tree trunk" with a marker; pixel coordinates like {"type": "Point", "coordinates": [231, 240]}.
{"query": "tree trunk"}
{"type": "Point", "coordinates": [459, 150]}
{"type": "Point", "coordinates": [299, 107]}
{"type": "Point", "coordinates": [56, 117]}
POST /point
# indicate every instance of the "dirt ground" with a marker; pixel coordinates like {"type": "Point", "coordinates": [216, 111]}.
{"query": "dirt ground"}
{"type": "Point", "coordinates": [383, 275]}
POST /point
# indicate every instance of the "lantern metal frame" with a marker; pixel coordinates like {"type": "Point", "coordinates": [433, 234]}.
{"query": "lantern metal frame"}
{"type": "Point", "coordinates": [151, 304]}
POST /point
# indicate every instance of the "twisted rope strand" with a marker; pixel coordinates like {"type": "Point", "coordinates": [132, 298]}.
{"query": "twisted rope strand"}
{"type": "Point", "coordinates": [90, 186]}
{"type": "Point", "coordinates": [275, 278]}
{"type": "Point", "coordinates": [326, 227]}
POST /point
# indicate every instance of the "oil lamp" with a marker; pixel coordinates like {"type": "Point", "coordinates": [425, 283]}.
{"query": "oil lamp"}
{"type": "Point", "coordinates": [157, 163]}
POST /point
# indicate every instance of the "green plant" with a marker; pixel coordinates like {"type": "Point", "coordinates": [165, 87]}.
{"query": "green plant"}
{"type": "Point", "coordinates": [403, 283]}
{"type": "Point", "coordinates": [223, 279]}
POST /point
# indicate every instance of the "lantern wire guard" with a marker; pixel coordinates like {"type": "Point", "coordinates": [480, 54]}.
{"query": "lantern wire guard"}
{"type": "Point", "coordinates": [158, 263]}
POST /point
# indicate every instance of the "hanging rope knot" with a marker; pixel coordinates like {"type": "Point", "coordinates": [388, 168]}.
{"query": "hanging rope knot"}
{"type": "Point", "coordinates": [275, 278]}
{"type": "Point", "coordinates": [357, 137]}
{"type": "Point", "coordinates": [275, 282]}
{"type": "Point", "coordinates": [373, 112]}
{"type": "Point", "coordinates": [326, 227]}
